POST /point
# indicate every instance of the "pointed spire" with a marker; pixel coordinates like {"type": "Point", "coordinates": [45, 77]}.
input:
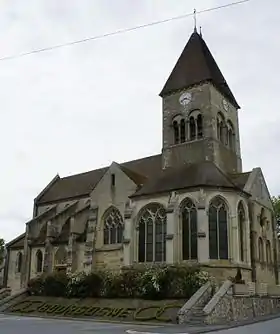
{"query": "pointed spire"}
{"type": "Point", "coordinates": [194, 17]}
{"type": "Point", "coordinates": [197, 65]}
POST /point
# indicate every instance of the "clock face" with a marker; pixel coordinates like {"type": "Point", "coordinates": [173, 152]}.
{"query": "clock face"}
{"type": "Point", "coordinates": [225, 105]}
{"type": "Point", "coordinates": [185, 98]}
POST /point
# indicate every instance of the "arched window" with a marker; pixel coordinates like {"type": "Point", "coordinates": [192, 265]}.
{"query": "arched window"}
{"type": "Point", "coordinates": [199, 126]}
{"type": "Point", "coordinates": [261, 250]}
{"type": "Point", "coordinates": [19, 262]}
{"type": "Point", "coordinates": [176, 132]}
{"type": "Point", "coordinates": [152, 233]}
{"type": "Point", "coordinates": [189, 230]}
{"type": "Point", "coordinates": [262, 218]}
{"type": "Point", "coordinates": [226, 135]}
{"type": "Point", "coordinates": [221, 135]}
{"type": "Point", "coordinates": [230, 138]}
{"type": "Point", "coordinates": [218, 129]}
{"type": "Point", "coordinates": [218, 229]}
{"type": "Point", "coordinates": [268, 252]}
{"type": "Point", "coordinates": [241, 230]}
{"type": "Point", "coordinates": [230, 135]}
{"type": "Point", "coordinates": [183, 131]}
{"type": "Point", "coordinates": [192, 128]}
{"type": "Point", "coordinates": [39, 261]}
{"type": "Point", "coordinates": [221, 127]}
{"type": "Point", "coordinates": [113, 227]}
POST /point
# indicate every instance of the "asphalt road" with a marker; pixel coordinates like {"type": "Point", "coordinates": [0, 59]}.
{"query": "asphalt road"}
{"type": "Point", "coordinates": [23, 325]}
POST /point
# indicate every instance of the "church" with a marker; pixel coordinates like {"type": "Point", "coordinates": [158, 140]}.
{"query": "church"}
{"type": "Point", "coordinates": [192, 203]}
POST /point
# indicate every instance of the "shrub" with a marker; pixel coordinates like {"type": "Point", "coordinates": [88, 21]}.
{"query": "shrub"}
{"type": "Point", "coordinates": [36, 286]}
{"type": "Point", "coordinates": [147, 282]}
{"type": "Point", "coordinates": [130, 281]}
{"type": "Point", "coordinates": [55, 284]}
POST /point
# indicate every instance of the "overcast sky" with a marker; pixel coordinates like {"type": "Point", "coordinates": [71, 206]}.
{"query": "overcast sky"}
{"type": "Point", "coordinates": [81, 107]}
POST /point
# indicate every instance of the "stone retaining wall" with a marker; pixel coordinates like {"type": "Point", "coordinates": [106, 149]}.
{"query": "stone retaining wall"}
{"type": "Point", "coordinates": [232, 303]}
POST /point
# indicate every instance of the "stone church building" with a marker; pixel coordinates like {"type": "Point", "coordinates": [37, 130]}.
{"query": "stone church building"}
{"type": "Point", "coordinates": [191, 203]}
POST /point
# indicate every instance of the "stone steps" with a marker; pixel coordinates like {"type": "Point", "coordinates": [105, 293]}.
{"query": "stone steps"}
{"type": "Point", "coordinates": [197, 317]}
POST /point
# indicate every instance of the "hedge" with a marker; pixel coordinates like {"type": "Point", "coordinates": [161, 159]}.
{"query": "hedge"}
{"type": "Point", "coordinates": [153, 282]}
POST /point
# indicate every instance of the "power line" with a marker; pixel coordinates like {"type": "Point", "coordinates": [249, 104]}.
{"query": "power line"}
{"type": "Point", "coordinates": [121, 31]}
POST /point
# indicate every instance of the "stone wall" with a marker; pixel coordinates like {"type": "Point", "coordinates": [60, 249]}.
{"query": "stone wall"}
{"type": "Point", "coordinates": [109, 258]}
{"type": "Point", "coordinates": [14, 277]}
{"type": "Point", "coordinates": [235, 303]}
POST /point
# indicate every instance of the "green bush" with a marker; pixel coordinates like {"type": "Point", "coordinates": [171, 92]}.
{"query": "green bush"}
{"type": "Point", "coordinates": [55, 284]}
{"type": "Point", "coordinates": [146, 282]}
{"type": "Point", "coordinates": [36, 286]}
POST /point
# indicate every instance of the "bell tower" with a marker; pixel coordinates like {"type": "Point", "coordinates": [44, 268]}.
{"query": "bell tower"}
{"type": "Point", "coordinates": [200, 113]}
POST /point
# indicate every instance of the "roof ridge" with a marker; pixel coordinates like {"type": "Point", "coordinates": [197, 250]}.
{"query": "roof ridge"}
{"type": "Point", "coordinates": [104, 167]}
{"type": "Point", "coordinates": [84, 173]}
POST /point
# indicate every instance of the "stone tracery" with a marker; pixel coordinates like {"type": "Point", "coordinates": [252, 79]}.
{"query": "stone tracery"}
{"type": "Point", "coordinates": [113, 226]}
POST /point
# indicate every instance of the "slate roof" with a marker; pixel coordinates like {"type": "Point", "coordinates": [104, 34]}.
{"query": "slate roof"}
{"type": "Point", "coordinates": [18, 242]}
{"type": "Point", "coordinates": [204, 174]}
{"type": "Point", "coordinates": [196, 65]}
{"type": "Point", "coordinates": [149, 176]}
{"type": "Point", "coordinates": [82, 184]}
{"type": "Point", "coordinates": [240, 179]}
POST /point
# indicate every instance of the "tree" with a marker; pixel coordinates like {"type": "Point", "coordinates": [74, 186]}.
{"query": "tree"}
{"type": "Point", "coordinates": [276, 206]}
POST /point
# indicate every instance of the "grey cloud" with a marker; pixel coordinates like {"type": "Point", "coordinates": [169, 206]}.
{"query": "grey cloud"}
{"type": "Point", "coordinates": [56, 107]}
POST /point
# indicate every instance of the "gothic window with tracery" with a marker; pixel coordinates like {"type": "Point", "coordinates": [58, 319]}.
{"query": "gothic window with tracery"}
{"type": "Point", "coordinates": [189, 230]}
{"type": "Point", "coordinates": [152, 234]}
{"type": "Point", "coordinates": [19, 262]}
{"type": "Point", "coordinates": [218, 229]}
{"type": "Point", "coordinates": [39, 261]}
{"type": "Point", "coordinates": [241, 230]}
{"type": "Point", "coordinates": [113, 227]}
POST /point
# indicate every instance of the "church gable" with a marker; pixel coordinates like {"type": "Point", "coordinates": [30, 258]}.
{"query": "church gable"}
{"type": "Point", "coordinates": [116, 185]}
{"type": "Point", "coordinates": [257, 187]}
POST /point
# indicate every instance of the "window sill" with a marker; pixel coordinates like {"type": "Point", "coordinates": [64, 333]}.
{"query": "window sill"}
{"type": "Point", "coordinates": [186, 142]}
{"type": "Point", "coordinates": [108, 248]}
{"type": "Point", "coordinates": [152, 263]}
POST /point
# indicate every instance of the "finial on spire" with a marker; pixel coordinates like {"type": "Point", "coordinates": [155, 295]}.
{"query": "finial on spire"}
{"type": "Point", "coordinates": [200, 31]}
{"type": "Point", "coordinates": [194, 17]}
